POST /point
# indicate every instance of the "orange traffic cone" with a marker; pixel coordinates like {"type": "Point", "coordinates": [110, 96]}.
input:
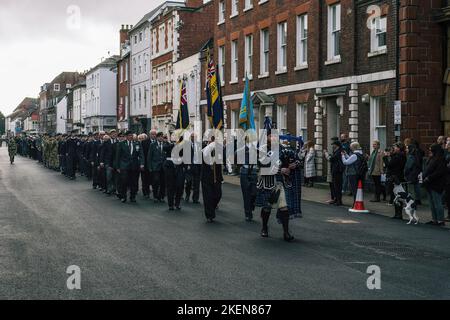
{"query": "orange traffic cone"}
{"type": "Point", "coordinates": [358, 207]}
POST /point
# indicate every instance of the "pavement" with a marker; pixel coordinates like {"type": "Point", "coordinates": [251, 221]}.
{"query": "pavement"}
{"type": "Point", "coordinates": [144, 251]}
{"type": "Point", "coordinates": [321, 194]}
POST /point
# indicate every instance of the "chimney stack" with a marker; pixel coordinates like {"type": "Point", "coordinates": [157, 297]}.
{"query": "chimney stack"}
{"type": "Point", "coordinates": [123, 37]}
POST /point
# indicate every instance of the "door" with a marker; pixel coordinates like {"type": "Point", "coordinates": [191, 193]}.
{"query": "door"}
{"type": "Point", "coordinates": [333, 121]}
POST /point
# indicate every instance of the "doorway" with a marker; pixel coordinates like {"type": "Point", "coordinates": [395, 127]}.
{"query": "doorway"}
{"type": "Point", "coordinates": [333, 112]}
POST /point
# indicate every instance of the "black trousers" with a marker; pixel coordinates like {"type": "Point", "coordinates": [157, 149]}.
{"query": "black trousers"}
{"type": "Point", "coordinates": [174, 176]}
{"type": "Point", "coordinates": [102, 181]}
{"type": "Point", "coordinates": [145, 179]}
{"type": "Point", "coordinates": [379, 189]}
{"type": "Point", "coordinates": [337, 178]}
{"type": "Point", "coordinates": [353, 182]}
{"type": "Point", "coordinates": [158, 185]}
{"type": "Point", "coordinates": [88, 169]}
{"type": "Point", "coordinates": [95, 175]}
{"type": "Point", "coordinates": [248, 188]}
{"type": "Point", "coordinates": [71, 166]}
{"type": "Point", "coordinates": [212, 193]}
{"type": "Point", "coordinates": [129, 181]}
{"type": "Point", "coordinates": [193, 182]}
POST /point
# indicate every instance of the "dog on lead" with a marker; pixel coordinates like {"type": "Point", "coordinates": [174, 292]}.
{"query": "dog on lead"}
{"type": "Point", "coordinates": [405, 199]}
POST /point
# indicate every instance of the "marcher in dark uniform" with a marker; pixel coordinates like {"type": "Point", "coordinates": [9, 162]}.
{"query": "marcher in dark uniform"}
{"type": "Point", "coordinates": [211, 179]}
{"type": "Point", "coordinates": [71, 153]}
{"type": "Point", "coordinates": [86, 156]}
{"type": "Point", "coordinates": [248, 180]}
{"type": "Point", "coordinates": [193, 171]}
{"type": "Point", "coordinates": [106, 157]}
{"type": "Point", "coordinates": [130, 161]}
{"type": "Point", "coordinates": [174, 175]}
{"type": "Point", "coordinates": [145, 175]}
{"type": "Point", "coordinates": [156, 158]}
{"type": "Point", "coordinates": [94, 160]}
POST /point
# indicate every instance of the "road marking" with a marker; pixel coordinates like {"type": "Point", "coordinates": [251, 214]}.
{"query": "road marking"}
{"type": "Point", "coordinates": [342, 221]}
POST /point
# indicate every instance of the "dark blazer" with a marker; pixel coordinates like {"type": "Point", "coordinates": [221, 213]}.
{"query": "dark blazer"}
{"type": "Point", "coordinates": [156, 157]}
{"type": "Point", "coordinates": [93, 152]}
{"type": "Point", "coordinates": [106, 154]}
{"type": "Point", "coordinates": [337, 166]}
{"type": "Point", "coordinates": [145, 148]}
{"type": "Point", "coordinates": [71, 147]}
{"type": "Point", "coordinates": [435, 174]}
{"type": "Point", "coordinates": [114, 148]}
{"type": "Point", "coordinates": [395, 166]}
{"type": "Point", "coordinates": [127, 161]}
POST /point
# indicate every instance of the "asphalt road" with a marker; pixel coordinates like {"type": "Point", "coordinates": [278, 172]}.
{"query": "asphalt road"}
{"type": "Point", "coordinates": [144, 251]}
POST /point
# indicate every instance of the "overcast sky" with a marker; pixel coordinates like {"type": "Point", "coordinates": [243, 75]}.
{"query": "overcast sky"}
{"type": "Point", "coordinates": [41, 38]}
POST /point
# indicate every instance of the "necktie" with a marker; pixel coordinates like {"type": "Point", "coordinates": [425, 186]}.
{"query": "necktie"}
{"type": "Point", "coordinates": [129, 146]}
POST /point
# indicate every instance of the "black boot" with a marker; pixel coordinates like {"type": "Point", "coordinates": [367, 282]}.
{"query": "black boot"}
{"type": "Point", "coordinates": [284, 217]}
{"type": "Point", "coordinates": [265, 215]}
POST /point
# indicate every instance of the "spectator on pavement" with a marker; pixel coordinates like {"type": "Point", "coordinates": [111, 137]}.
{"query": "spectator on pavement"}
{"type": "Point", "coordinates": [376, 170]}
{"type": "Point", "coordinates": [310, 163]}
{"type": "Point", "coordinates": [395, 162]}
{"type": "Point", "coordinates": [447, 182]}
{"type": "Point", "coordinates": [353, 162]}
{"type": "Point", "coordinates": [413, 168]}
{"type": "Point", "coordinates": [434, 180]}
{"type": "Point", "coordinates": [346, 147]}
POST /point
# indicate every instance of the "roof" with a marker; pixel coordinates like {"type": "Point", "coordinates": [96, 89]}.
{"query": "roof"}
{"type": "Point", "coordinates": [263, 98]}
{"type": "Point", "coordinates": [107, 63]}
{"type": "Point", "coordinates": [146, 18]}
{"type": "Point", "coordinates": [165, 5]}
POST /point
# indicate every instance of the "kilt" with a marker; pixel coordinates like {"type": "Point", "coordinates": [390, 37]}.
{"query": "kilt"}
{"type": "Point", "coordinates": [292, 193]}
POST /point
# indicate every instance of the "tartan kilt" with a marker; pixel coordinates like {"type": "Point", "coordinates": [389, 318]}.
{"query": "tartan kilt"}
{"type": "Point", "coordinates": [293, 195]}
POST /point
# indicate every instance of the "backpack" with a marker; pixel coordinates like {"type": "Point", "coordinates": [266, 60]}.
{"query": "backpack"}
{"type": "Point", "coordinates": [361, 166]}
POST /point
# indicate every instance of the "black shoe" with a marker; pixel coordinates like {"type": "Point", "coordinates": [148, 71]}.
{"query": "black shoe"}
{"type": "Point", "coordinates": [196, 202]}
{"type": "Point", "coordinates": [440, 224]}
{"type": "Point", "coordinates": [249, 219]}
{"type": "Point", "coordinates": [264, 233]}
{"type": "Point", "coordinates": [210, 220]}
{"type": "Point", "coordinates": [178, 208]}
{"type": "Point", "coordinates": [433, 223]}
{"type": "Point", "coordinates": [338, 204]}
{"type": "Point", "coordinates": [397, 217]}
{"type": "Point", "coordinates": [288, 237]}
{"type": "Point", "coordinates": [123, 200]}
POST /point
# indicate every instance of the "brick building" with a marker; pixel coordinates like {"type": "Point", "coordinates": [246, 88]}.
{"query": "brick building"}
{"type": "Point", "coordinates": [325, 67]}
{"type": "Point", "coordinates": [178, 32]}
{"type": "Point", "coordinates": [123, 80]}
{"type": "Point", "coordinates": [50, 95]}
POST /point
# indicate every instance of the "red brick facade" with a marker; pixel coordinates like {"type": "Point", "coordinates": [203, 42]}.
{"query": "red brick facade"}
{"type": "Point", "coordinates": [363, 84]}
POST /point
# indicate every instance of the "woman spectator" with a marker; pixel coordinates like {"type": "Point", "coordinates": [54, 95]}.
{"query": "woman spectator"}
{"type": "Point", "coordinates": [352, 163]}
{"type": "Point", "coordinates": [434, 180]}
{"type": "Point", "coordinates": [376, 170]}
{"type": "Point", "coordinates": [395, 166]}
{"type": "Point", "coordinates": [310, 164]}
{"type": "Point", "coordinates": [413, 168]}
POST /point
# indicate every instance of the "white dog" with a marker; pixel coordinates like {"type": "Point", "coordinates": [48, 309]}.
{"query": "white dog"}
{"type": "Point", "coordinates": [404, 198]}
